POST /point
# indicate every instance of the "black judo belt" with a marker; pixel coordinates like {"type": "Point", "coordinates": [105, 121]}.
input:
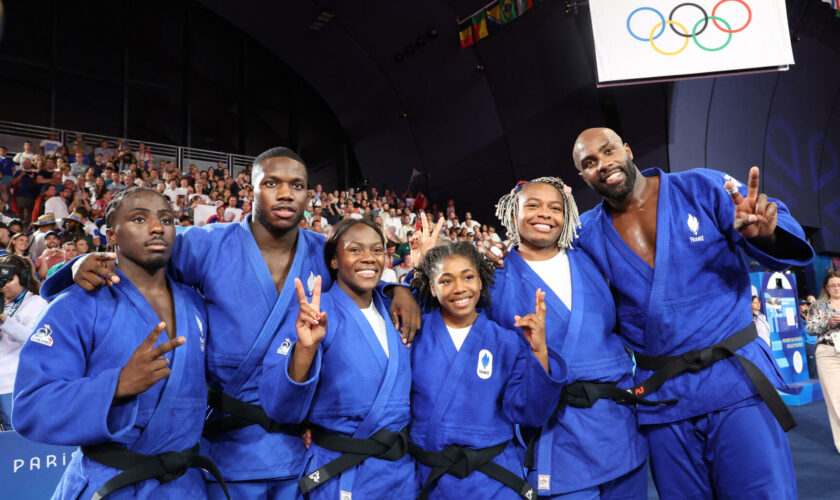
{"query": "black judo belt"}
{"type": "Point", "coordinates": [461, 462]}
{"type": "Point", "coordinates": [240, 414]}
{"type": "Point", "coordinates": [584, 394]}
{"type": "Point", "coordinates": [137, 467]}
{"type": "Point", "coordinates": [385, 445]}
{"type": "Point", "coordinates": [667, 367]}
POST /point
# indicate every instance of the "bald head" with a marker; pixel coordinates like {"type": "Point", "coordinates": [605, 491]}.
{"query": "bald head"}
{"type": "Point", "coordinates": [602, 135]}
{"type": "Point", "coordinates": [605, 163]}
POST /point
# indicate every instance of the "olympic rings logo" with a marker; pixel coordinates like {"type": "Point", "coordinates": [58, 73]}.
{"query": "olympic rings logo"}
{"type": "Point", "coordinates": [685, 32]}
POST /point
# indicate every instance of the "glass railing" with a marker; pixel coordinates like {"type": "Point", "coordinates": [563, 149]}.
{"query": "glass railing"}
{"type": "Point", "coordinates": [12, 135]}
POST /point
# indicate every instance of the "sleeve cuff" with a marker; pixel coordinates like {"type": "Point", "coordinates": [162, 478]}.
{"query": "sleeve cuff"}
{"type": "Point", "coordinates": [778, 263]}
{"type": "Point", "coordinates": [314, 370]}
{"type": "Point", "coordinates": [559, 369]}
{"type": "Point", "coordinates": [119, 419]}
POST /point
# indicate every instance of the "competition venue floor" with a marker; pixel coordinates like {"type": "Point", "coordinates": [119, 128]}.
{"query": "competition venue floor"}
{"type": "Point", "coordinates": [816, 461]}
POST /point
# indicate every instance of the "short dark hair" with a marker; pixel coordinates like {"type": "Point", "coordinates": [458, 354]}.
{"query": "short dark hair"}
{"type": "Point", "coordinates": [277, 152]}
{"type": "Point", "coordinates": [117, 201]}
{"type": "Point", "coordinates": [424, 272]}
{"type": "Point", "coordinates": [331, 246]}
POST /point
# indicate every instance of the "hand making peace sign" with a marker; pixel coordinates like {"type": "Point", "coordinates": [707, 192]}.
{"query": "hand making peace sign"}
{"type": "Point", "coordinates": [147, 365]}
{"type": "Point", "coordinates": [755, 217]}
{"type": "Point", "coordinates": [426, 238]}
{"type": "Point", "coordinates": [311, 326]}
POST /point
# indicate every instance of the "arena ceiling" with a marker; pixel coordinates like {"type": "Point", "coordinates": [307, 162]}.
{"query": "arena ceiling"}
{"type": "Point", "coordinates": [473, 121]}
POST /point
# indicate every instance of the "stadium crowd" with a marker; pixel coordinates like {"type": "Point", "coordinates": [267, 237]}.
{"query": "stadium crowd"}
{"type": "Point", "coordinates": [54, 196]}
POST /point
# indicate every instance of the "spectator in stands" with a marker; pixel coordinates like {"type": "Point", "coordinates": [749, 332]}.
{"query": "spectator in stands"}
{"type": "Point", "coordinates": [469, 224]}
{"type": "Point", "coordinates": [810, 340]}
{"type": "Point", "coordinates": [404, 268]}
{"type": "Point", "coordinates": [73, 228]}
{"type": "Point", "coordinates": [15, 226]}
{"type": "Point", "coordinates": [22, 307]}
{"type": "Point", "coordinates": [82, 245]}
{"type": "Point", "coordinates": [46, 171]}
{"type": "Point", "coordinates": [219, 216]}
{"type": "Point", "coordinates": [79, 166]}
{"type": "Point", "coordinates": [824, 323]}
{"type": "Point", "coordinates": [79, 145]}
{"type": "Point", "coordinates": [57, 204]}
{"type": "Point", "coordinates": [7, 172]}
{"type": "Point", "coordinates": [50, 145]}
{"type": "Point", "coordinates": [98, 165]}
{"type": "Point", "coordinates": [5, 238]}
{"type": "Point", "coordinates": [26, 154]}
{"type": "Point", "coordinates": [761, 324]}
{"type": "Point", "coordinates": [69, 251]}
{"type": "Point", "coordinates": [44, 224]}
{"type": "Point", "coordinates": [52, 254]}
{"type": "Point", "coordinates": [19, 245]}
{"type": "Point", "coordinates": [103, 149]}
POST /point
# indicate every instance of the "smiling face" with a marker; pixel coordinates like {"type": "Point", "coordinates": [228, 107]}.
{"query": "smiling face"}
{"type": "Point", "coordinates": [359, 260]}
{"type": "Point", "coordinates": [21, 243]}
{"type": "Point", "coordinates": [457, 287]}
{"type": "Point", "coordinates": [279, 193]}
{"type": "Point", "coordinates": [540, 218]}
{"type": "Point", "coordinates": [143, 231]}
{"type": "Point", "coordinates": [605, 163]}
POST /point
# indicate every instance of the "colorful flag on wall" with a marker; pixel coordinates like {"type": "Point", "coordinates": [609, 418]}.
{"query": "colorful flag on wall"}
{"type": "Point", "coordinates": [494, 18]}
{"type": "Point", "coordinates": [490, 18]}
{"type": "Point", "coordinates": [523, 6]}
{"type": "Point", "coordinates": [508, 8]}
{"type": "Point", "coordinates": [479, 24]}
{"type": "Point", "coordinates": [465, 33]}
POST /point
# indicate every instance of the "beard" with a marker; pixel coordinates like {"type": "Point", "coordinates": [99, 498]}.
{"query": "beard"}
{"type": "Point", "coordinates": [262, 217]}
{"type": "Point", "coordinates": [620, 191]}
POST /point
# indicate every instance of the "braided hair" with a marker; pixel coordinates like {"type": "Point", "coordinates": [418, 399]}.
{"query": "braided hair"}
{"type": "Point", "coordinates": [507, 210]}
{"type": "Point", "coordinates": [424, 274]}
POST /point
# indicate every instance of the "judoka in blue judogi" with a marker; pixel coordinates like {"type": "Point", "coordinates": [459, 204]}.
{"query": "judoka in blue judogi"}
{"type": "Point", "coordinates": [588, 449]}
{"type": "Point", "coordinates": [245, 272]}
{"type": "Point", "coordinates": [669, 245]}
{"type": "Point", "coordinates": [82, 382]}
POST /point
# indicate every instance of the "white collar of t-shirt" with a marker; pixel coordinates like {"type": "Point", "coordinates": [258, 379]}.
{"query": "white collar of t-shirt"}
{"type": "Point", "coordinates": [459, 335]}
{"type": "Point", "coordinates": [556, 274]}
{"type": "Point", "coordinates": [377, 322]}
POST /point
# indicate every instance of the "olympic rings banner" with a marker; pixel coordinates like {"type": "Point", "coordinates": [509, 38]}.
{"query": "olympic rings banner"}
{"type": "Point", "coordinates": [669, 39]}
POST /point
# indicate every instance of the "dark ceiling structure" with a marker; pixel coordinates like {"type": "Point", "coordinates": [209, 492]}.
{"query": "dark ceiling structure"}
{"type": "Point", "coordinates": [380, 91]}
{"type": "Point", "coordinates": [475, 121]}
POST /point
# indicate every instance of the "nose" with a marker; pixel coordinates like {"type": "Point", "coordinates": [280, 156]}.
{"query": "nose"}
{"type": "Point", "coordinates": [155, 226]}
{"type": "Point", "coordinates": [284, 192]}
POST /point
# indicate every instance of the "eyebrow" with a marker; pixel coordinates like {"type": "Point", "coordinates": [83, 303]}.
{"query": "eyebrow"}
{"type": "Point", "coordinates": [531, 198]}
{"type": "Point", "coordinates": [603, 146]}
{"type": "Point", "coordinates": [281, 179]}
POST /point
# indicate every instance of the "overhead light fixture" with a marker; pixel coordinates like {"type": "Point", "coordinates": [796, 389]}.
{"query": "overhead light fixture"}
{"type": "Point", "coordinates": [323, 18]}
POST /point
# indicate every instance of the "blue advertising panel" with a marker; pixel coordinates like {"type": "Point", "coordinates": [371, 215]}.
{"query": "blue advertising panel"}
{"type": "Point", "coordinates": [780, 304]}
{"type": "Point", "coordinates": [781, 307]}
{"type": "Point", "coordinates": [30, 470]}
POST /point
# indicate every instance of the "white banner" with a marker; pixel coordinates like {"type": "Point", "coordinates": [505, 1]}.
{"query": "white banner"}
{"type": "Point", "coordinates": [662, 39]}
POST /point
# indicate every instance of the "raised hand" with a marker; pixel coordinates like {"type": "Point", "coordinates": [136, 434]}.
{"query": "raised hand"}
{"type": "Point", "coordinates": [93, 271]}
{"type": "Point", "coordinates": [533, 327]}
{"type": "Point", "coordinates": [311, 324]}
{"type": "Point", "coordinates": [147, 365]}
{"type": "Point", "coordinates": [426, 238]}
{"type": "Point", "coordinates": [755, 217]}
